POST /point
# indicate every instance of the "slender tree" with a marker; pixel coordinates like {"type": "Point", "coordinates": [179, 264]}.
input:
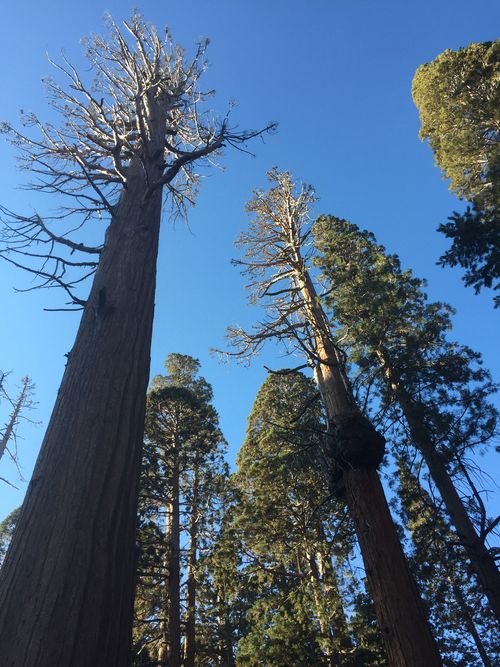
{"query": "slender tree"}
{"type": "Point", "coordinates": [465, 629]}
{"type": "Point", "coordinates": [399, 340]}
{"type": "Point", "coordinates": [19, 405]}
{"type": "Point", "coordinates": [277, 261]}
{"type": "Point", "coordinates": [182, 464]}
{"type": "Point", "coordinates": [132, 135]}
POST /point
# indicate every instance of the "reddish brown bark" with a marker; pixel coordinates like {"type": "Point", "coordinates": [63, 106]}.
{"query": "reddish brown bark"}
{"type": "Point", "coordinates": [357, 451]}
{"type": "Point", "coordinates": [66, 588]}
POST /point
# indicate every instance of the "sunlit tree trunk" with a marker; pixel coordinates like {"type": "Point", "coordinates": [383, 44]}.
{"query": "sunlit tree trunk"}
{"type": "Point", "coordinates": [358, 450]}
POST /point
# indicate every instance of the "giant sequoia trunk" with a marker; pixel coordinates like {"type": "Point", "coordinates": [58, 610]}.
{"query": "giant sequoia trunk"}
{"type": "Point", "coordinates": [480, 557]}
{"type": "Point", "coordinates": [356, 451]}
{"type": "Point", "coordinates": [66, 587]}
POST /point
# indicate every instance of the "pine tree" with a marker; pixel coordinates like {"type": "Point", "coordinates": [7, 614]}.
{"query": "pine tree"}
{"type": "Point", "coordinates": [182, 465]}
{"type": "Point", "coordinates": [458, 97]}
{"type": "Point", "coordinates": [399, 341]}
{"type": "Point", "coordinates": [465, 627]}
{"type": "Point", "coordinates": [277, 259]}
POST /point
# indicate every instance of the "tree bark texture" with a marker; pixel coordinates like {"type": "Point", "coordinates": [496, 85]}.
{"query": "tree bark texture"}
{"type": "Point", "coordinates": [400, 612]}
{"type": "Point", "coordinates": [66, 588]}
{"type": "Point", "coordinates": [357, 450]}
{"type": "Point", "coordinates": [480, 557]}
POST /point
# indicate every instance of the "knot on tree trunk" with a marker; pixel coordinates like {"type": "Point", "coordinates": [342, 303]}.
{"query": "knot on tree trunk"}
{"type": "Point", "coordinates": [355, 444]}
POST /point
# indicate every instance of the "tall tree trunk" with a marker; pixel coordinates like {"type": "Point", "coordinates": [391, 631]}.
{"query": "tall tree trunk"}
{"type": "Point", "coordinates": [163, 643]}
{"type": "Point", "coordinates": [190, 645]}
{"type": "Point", "coordinates": [66, 587]}
{"type": "Point", "coordinates": [339, 627]}
{"type": "Point", "coordinates": [480, 557]}
{"type": "Point", "coordinates": [357, 450]}
{"type": "Point", "coordinates": [469, 622]}
{"type": "Point", "coordinates": [327, 643]}
{"type": "Point", "coordinates": [174, 574]}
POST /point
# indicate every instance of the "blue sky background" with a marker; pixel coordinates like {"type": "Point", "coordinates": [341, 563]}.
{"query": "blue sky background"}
{"type": "Point", "coordinates": [336, 75]}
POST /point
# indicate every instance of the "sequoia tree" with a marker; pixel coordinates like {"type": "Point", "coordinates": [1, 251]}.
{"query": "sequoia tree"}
{"type": "Point", "coordinates": [399, 340]}
{"type": "Point", "coordinates": [294, 536]}
{"type": "Point", "coordinates": [458, 97]}
{"type": "Point", "coordinates": [277, 259]}
{"type": "Point", "coordinates": [126, 139]}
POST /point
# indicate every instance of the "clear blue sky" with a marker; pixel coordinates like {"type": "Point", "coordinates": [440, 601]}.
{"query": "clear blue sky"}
{"type": "Point", "coordinates": [336, 75]}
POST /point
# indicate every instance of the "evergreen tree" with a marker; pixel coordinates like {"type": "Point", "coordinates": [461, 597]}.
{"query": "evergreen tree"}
{"type": "Point", "coordinates": [7, 527]}
{"type": "Point", "coordinates": [182, 467]}
{"type": "Point", "coordinates": [458, 97]}
{"type": "Point", "coordinates": [465, 627]}
{"type": "Point", "coordinates": [125, 139]}
{"type": "Point", "coordinates": [291, 530]}
{"type": "Point", "coordinates": [399, 341]}
{"type": "Point", "coordinates": [277, 260]}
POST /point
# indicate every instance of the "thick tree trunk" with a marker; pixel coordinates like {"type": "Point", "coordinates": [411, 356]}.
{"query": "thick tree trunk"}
{"type": "Point", "coordinates": [174, 574]}
{"type": "Point", "coordinates": [357, 450]}
{"type": "Point", "coordinates": [480, 557]}
{"type": "Point", "coordinates": [400, 613]}
{"type": "Point", "coordinates": [190, 645]}
{"type": "Point", "coordinates": [66, 588]}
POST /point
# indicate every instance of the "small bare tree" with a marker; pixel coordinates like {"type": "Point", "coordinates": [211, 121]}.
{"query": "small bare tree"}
{"type": "Point", "coordinates": [135, 133]}
{"type": "Point", "coordinates": [277, 259]}
{"type": "Point", "coordinates": [9, 432]}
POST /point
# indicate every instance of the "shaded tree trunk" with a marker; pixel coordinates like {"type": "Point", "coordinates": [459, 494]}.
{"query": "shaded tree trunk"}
{"type": "Point", "coordinates": [469, 622]}
{"type": "Point", "coordinates": [190, 645]}
{"type": "Point", "coordinates": [71, 561]}
{"type": "Point", "coordinates": [174, 573]}
{"type": "Point", "coordinates": [480, 557]}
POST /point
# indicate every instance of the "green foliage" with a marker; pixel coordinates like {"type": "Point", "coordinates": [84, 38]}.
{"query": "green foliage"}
{"type": "Point", "coordinates": [295, 539]}
{"type": "Point", "coordinates": [458, 97]}
{"type": "Point", "coordinates": [383, 315]}
{"type": "Point", "coordinates": [449, 588]}
{"type": "Point", "coordinates": [183, 443]}
{"type": "Point", "coordinates": [475, 247]}
{"type": "Point", "coordinates": [7, 527]}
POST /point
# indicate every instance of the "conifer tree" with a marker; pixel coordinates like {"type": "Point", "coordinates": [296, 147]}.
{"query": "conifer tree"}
{"type": "Point", "coordinates": [125, 140]}
{"type": "Point", "coordinates": [399, 341]}
{"type": "Point", "coordinates": [465, 627]}
{"type": "Point", "coordinates": [294, 536]}
{"type": "Point", "coordinates": [182, 465]}
{"type": "Point", "coordinates": [458, 97]}
{"type": "Point", "coordinates": [277, 261]}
